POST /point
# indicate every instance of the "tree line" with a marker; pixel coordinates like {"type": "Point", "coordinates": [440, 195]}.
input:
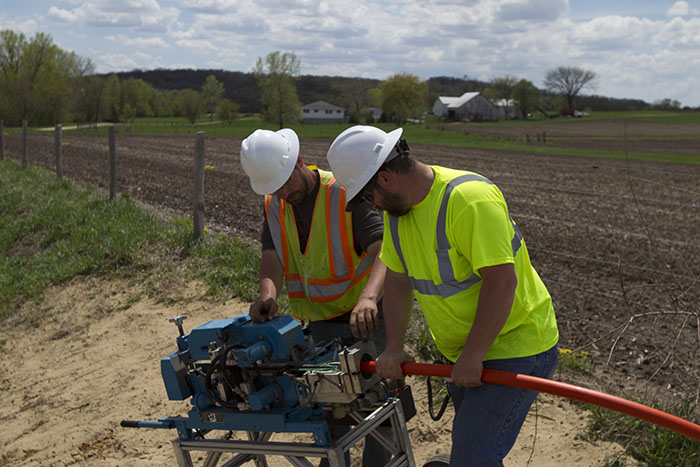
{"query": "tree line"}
{"type": "Point", "coordinates": [45, 85]}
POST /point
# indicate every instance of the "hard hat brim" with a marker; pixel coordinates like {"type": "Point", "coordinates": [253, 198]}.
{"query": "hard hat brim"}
{"type": "Point", "coordinates": [290, 160]}
{"type": "Point", "coordinates": [351, 195]}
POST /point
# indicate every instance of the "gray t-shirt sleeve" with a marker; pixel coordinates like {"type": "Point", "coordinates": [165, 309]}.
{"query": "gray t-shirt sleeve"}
{"type": "Point", "coordinates": [367, 227]}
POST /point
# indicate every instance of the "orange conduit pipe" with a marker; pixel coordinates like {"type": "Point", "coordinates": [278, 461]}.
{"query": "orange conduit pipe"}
{"type": "Point", "coordinates": [641, 411]}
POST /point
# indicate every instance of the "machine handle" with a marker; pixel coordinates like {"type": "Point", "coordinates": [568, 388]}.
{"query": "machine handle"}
{"type": "Point", "coordinates": [608, 401]}
{"type": "Point", "coordinates": [129, 424]}
{"type": "Point", "coordinates": [139, 424]}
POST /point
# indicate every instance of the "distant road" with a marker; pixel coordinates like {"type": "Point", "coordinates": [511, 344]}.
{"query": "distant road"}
{"type": "Point", "coordinates": [103, 124]}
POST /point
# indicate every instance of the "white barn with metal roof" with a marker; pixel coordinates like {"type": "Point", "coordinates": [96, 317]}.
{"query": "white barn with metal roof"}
{"type": "Point", "coordinates": [470, 106]}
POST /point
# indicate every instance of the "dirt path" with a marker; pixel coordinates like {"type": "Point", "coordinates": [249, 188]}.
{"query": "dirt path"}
{"type": "Point", "coordinates": [73, 367]}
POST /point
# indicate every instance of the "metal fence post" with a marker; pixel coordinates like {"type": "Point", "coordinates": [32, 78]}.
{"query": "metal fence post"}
{"type": "Point", "coordinates": [24, 143]}
{"type": "Point", "coordinates": [2, 138]}
{"type": "Point", "coordinates": [198, 198]}
{"type": "Point", "coordinates": [58, 142]}
{"type": "Point", "coordinates": [112, 162]}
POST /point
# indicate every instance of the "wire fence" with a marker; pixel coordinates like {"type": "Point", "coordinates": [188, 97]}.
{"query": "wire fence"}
{"type": "Point", "coordinates": [615, 242]}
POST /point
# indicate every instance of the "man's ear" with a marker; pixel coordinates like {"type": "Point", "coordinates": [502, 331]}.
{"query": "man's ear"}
{"type": "Point", "coordinates": [299, 162]}
{"type": "Point", "coordinates": [385, 179]}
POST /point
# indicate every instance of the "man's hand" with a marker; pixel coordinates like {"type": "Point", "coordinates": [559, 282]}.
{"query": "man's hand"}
{"type": "Point", "coordinates": [364, 318]}
{"type": "Point", "coordinates": [263, 310]}
{"type": "Point", "coordinates": [467, 371]}
{"type": "Point", "coordinates": [389, 363]}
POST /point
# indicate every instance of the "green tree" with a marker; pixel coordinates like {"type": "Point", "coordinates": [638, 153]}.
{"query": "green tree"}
{"type": "Point", "coordinates": [91, 99]}
{"type": "Point", "coordinates": [37, 78]}
{"type": "Point", "coordinates": [138, 95]}
{"type": "Point", "coordinates": [666, 104]}
{"type": "Point", "coordinates": [227, 110]}
{"type": "Point", "coordinates": [190, 103]}
{"type": "Point", "coordinates": [353, 95]}
{"type": "Point", "coordinates": [568, 81]}
{"type": "Point", "coordinates": [501, 90]}
{"type": "Point", "coordinates": [212, 92]}
{"type": "Point", "coordinates": [276, 75]}
{"type": "Point", "coordinates": [403, 96]}
{"type": "Point", "coordinates": [112, 99]}
{"type": "Point", "coordinates": [527, 96]}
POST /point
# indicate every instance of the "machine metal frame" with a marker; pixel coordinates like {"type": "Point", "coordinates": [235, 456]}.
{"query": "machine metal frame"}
{"type": "Point", "coordinates": [297, 454]}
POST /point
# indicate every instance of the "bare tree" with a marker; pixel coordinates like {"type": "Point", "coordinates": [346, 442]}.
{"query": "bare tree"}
{"type": "Point", "coordinates": [569, 81]}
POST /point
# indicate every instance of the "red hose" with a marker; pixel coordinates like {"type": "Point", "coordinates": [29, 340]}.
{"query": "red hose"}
{"type": "Point", "coordinates": [570, 391]}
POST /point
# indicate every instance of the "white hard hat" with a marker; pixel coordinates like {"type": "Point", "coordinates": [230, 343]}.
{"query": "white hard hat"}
{"type": "Point", "coordinates": [268, 158]}
{"type": "Point", "coordinates": [357, 153]}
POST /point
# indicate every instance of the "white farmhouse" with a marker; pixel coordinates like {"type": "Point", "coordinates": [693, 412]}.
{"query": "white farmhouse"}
{"type": "Point", "coordinates": [322, 112]}
{"type": "Point", "coordinates": [470, 106]}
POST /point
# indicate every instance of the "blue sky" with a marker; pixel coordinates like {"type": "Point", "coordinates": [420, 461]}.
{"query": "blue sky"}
{"type": "Point", "coordinates": [641, 49]}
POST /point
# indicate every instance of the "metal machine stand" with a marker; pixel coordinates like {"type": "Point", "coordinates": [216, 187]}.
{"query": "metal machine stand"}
{"type": "Point", "coordinates": [297, 453]}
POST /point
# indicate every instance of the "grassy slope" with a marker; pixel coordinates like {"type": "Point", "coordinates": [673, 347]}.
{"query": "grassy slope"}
{"type": "Point", "coordinates": [53, 231]}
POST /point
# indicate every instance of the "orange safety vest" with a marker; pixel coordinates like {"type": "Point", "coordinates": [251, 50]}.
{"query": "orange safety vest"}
{"type": "Point", "coordinates": [326, 280]}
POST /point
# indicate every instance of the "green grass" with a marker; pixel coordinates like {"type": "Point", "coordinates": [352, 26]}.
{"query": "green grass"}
{"type": "Point", "coordinates": [54, 231]}
{"type": "Point", "coordinates": [445, 134]}
{"type": "Point", "coordinates": [646, 442]}
{"type": "Point", "coordinates": [655, 116]}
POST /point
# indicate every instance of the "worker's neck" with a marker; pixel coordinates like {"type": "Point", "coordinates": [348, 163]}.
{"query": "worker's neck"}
{"type": "Point", "coordinates": [417, 183]}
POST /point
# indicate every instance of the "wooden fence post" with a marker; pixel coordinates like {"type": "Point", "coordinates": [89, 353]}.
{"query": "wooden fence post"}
{"type": "Point", "coordinates": [24, 143]}
{"type": "Point", "coordinates": [2, 138]}
{"type": "Point", "coordinates": [58, 143]}
{"type": "Point", "coordinates": [198, 198]}
{"type": "Point", "coordinates": [112, 162]}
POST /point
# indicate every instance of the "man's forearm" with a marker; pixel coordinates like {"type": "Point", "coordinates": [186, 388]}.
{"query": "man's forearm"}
{"type": "Point", "coordinates": [374, 289]}
{"type": "Point", "coordinates": [398, 303]}
{"type": "Point", "coordinates": [271, 275]}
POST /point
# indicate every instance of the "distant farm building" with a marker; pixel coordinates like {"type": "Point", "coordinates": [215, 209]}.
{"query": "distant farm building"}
{"type": "Point", "coordinates": [470, 106]}
{"type": "Point", "coordinates": [506, 108]}
{"type": "Point", "coordinates": [322, 112]}
{"type": "Point", "coordinates": [375, 112]}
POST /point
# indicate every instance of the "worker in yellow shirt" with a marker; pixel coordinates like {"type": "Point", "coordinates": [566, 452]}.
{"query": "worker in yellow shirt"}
{"type": "Point", "coordinates": [450, 242]}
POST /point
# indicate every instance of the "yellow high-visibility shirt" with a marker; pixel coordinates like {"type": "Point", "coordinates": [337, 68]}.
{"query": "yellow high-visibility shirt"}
{"type": "Point", "coordinates": [461, 226]}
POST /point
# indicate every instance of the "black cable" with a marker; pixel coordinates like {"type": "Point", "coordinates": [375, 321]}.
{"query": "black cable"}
{"type": "Point", "coordinates": [210, 389]}
{"type": "Point", "coordinates": [430, 399]}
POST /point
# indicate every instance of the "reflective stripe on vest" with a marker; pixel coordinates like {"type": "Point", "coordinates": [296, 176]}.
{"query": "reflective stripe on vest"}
{"type": "Point", "coordinates": [449, 286]}
{"type": "Point", "coordinates": [345, 275]}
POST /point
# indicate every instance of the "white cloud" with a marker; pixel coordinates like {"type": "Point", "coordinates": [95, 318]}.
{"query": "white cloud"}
{"type": "Point", "coordinates": [612, 32]}
{"type": "Point", "coordinates": [141, 42]}
{"type": "Point", "coordinates": [532, 10]}
{"type": "Point", "coordinates": [145, 15]}
{"type": "Point", "coordinates": [679, 8]}
{"type": "Point", "coordinates": [28, 27]}
{"type": "Point", "coordinates": [64, 16]}
{"type": "Point", "coordinates": [116, 62]}
{"type": "Point", "coordinates": [679, 33]}
{"type": "Point", "coordinates": [197, 45]}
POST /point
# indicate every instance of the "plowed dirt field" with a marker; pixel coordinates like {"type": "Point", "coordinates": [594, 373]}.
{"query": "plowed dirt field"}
{"type": "Point", "coordinates": [616, 241]}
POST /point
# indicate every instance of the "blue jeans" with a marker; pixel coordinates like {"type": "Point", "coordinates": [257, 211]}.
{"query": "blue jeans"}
{"type": "Point", "coordinates": [488, 418]}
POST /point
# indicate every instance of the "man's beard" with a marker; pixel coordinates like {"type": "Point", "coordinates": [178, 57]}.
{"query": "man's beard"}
{"type": "Point", "coordinates": [392, 203]}
{"type": "Point", "coordinates": [297, 198]}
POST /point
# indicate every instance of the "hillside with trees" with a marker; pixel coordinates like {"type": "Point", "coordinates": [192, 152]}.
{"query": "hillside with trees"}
{"type": "Point", "coordinates": [45, 85]}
